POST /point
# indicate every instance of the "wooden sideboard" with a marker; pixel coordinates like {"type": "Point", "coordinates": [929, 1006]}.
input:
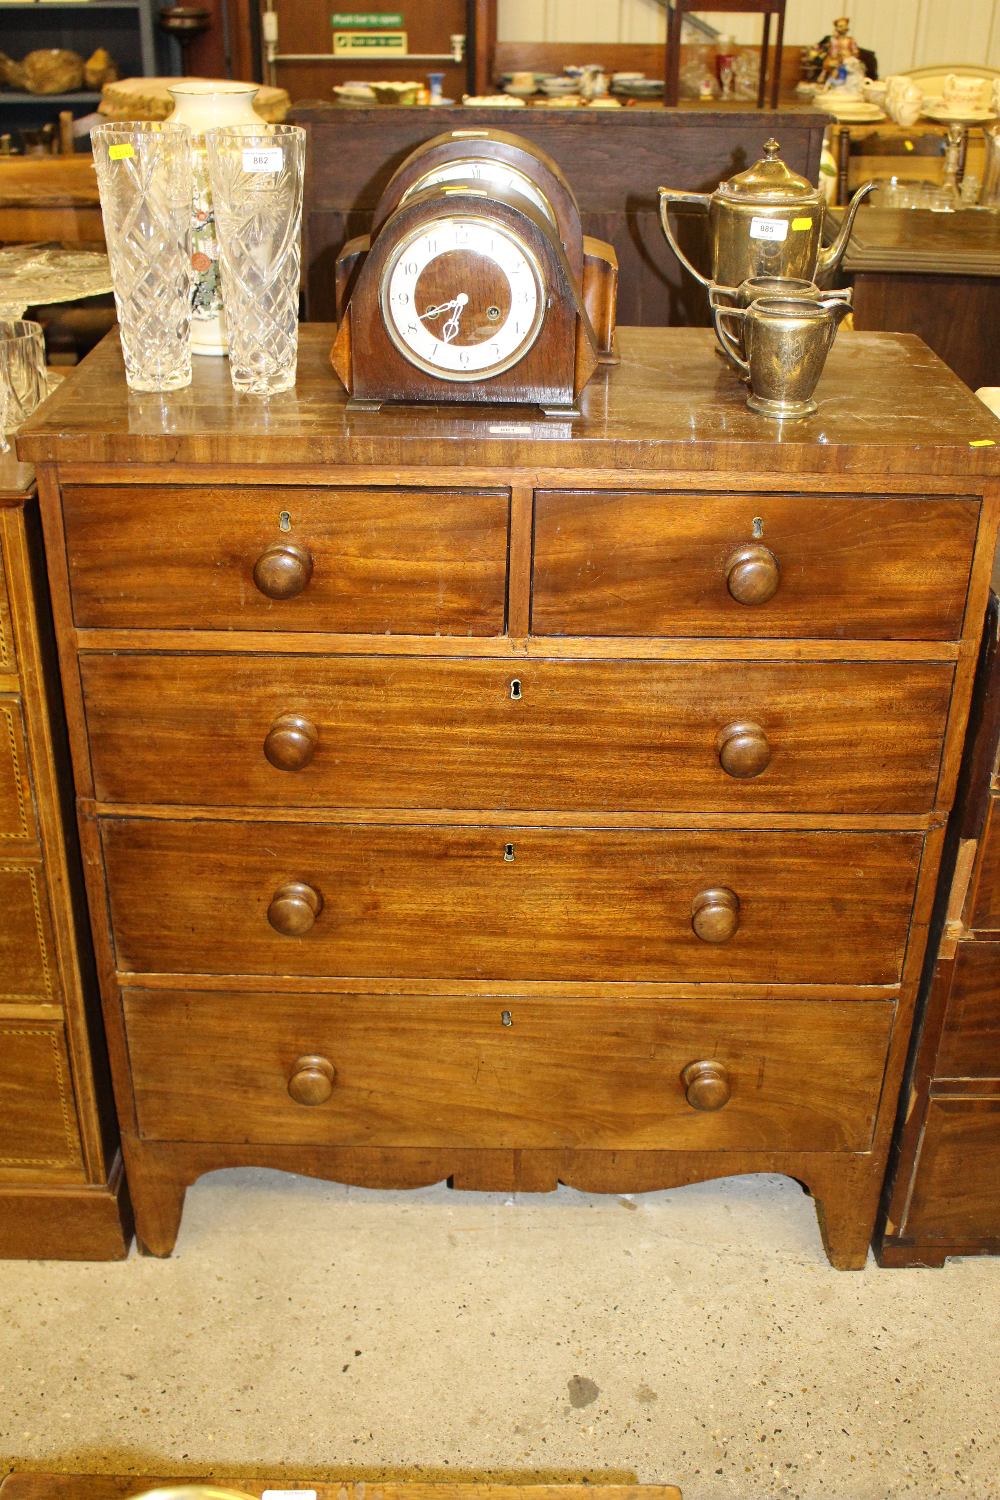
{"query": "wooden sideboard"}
{"type": "Point", "coordinates": [935, 275]}
{"type": "Point", "coordinates": [943, 1195]}
{"type": "Point", "coordinates": [477, 796]}
{"type": "Point", "coordinates": [62, 1191]}
{"type": "Point", "coordinates": [614, 160]}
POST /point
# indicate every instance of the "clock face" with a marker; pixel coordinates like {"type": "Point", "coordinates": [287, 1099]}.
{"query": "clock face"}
{"type": "Point", "coordinates": [486, 173]}
{"type": "Point", "coordinates": [463, 297]}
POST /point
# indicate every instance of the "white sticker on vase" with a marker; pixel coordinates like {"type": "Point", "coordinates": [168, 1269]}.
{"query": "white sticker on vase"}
{"type": "Point", "coordinates": [266, 159]}
{"type": "Point", "coordinates": [768, 229]}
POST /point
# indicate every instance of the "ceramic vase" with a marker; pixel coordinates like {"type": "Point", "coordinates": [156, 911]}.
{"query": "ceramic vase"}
{"type": "Point", "coordinates": [203, 104]}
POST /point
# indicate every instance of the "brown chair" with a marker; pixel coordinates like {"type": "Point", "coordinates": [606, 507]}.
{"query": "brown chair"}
{"type": "Point", "coordinates": [766, 8]}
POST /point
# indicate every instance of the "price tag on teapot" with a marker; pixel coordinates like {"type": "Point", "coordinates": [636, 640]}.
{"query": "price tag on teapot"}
{"type": "Point", "coordinates": [262, 158]}
{"type": "Point", "coordinates": [768, 229]}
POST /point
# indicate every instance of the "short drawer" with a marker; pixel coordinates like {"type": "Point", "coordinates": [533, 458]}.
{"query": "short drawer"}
{"type": "Point", "coordinates": [411, 732]}
{"type": "Point", "coordinates": [361, 1070]}
{"type": "Point", "coordinates": [17, 811]}
{"type": "Point", "coordinates": [26, 951]}
{"type": "Point", "coordinates": [272, 558]}
{"type": "Point", "coordinates": [7, 656]}
{"type": "Point", "coordinates": [38, 1124]}
{"type": "Point", "coordinates": [970, 1043]}
{"type": "Point", "coordinates": [751, 565]}
{"type": "Point", "coordinates": [509, 903]}
{"type": "Point", "coordinates": [956, 1193]}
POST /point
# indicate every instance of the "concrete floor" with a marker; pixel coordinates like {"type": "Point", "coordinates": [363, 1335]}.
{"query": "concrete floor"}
{"type": "Point", "coordinates": [697, 1336]}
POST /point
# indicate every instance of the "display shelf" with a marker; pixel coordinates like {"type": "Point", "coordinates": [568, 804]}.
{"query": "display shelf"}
{"type": "Point", "coordinates": [47, 5]}
{"type": "Point", "coordinates": [126, 28]}
{"type": "Point", "coordinates": [82, 96]}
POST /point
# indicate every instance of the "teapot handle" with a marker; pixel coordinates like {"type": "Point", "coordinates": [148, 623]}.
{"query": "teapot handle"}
{"type": "Point", "coordinates": [674, 195]}
{"type": "Point", "coordinates": [728, 344]}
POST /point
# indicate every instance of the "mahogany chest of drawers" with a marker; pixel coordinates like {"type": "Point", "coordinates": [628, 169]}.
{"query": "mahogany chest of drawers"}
{"type": "Point", "coordinates": [62, 1191]}
{"type": "Point", "coordinates": [477, 796]}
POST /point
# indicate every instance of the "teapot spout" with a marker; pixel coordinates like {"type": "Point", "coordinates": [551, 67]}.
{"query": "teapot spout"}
{"type": "Point", "coordinates": [830, 258]}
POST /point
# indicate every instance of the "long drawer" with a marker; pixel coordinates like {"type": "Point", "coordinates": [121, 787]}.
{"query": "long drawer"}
{"type": "Point", "coordinates": [357, 1070]}
{"type": "Point", "coordinates": [984, 911]}
{"type": "Point", "coordinates": [17, 812]}
{"type": "Point", "coordinates": [970, 1042]}
{"type": "Point", "coordinates": [368, 560]}
{"type": "Point", "coordinates": [509, 903]}
{"type": "Point", "coordinates": [956, 1193]}
{"type": "Point", "coordinates": [861, 737]}
{"type": "Point", "coordinates": [611, 563]}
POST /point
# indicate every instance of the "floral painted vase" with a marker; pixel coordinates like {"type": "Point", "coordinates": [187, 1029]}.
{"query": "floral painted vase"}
{"type": "Point", "coordinates": [204, 104]}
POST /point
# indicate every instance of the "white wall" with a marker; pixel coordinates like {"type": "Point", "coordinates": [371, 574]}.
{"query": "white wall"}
{"type": "Point", "coordinates": [904, 33]}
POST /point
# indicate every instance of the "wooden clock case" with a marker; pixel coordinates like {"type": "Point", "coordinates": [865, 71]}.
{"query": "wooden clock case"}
{"type": "Point", "coordinates": [593, 263]}
{"type": "Point", "coordinates": [553, 371]}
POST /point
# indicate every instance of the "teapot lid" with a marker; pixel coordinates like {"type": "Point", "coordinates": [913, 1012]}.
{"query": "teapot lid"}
{"type": "Point", "coordinates": [769, 181]}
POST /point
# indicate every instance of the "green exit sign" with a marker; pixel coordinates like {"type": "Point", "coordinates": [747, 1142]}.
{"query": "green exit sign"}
{"type": "Point", "coordinates": [367, 19]}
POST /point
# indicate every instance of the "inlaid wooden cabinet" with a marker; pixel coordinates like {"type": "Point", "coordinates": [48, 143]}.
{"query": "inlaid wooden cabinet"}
{"type": "Point", "coordinates": [511, 800]}
{"type": "Point", "coordinates": [62, 1191]}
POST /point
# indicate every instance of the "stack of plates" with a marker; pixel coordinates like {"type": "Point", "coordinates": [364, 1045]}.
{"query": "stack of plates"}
{"type": "Point", "coordinates": [848, 107]}
{"type": "Point", "coordinates": [631, 87]}
{"type": "Point", "coordinates": [935, 110]}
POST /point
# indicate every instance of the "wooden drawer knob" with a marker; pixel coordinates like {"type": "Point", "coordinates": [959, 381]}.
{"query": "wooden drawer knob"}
{"type": "Point", "coordinates": [291, 743]}
{"type": "Point", "coordinates": [294, 908]}
{"type": "Point", "coordinates": [283, 571]}
{"type": "Point", "coordinates": [743, 749]}
{"type": "Point", "coordinates": [753, 575]}
{"type": "Point", "coordinates": [706, 1085]}
{"type": "Point", "coordinates": [312, 1080]}
{"type": "Point", "coordinates": [715, 914]}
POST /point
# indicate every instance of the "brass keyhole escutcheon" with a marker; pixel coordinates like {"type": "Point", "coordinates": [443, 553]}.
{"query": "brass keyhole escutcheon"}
{"type": "Point", "coordinates": [515, 690]}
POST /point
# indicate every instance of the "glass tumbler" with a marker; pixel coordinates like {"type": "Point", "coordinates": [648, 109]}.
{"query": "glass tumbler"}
{"type": "Point", "coordinates": [22, 374]}
{"type": "Point", "coordinates": [256, 175]}
{"type": "Point", "coordinates": [144, 171]}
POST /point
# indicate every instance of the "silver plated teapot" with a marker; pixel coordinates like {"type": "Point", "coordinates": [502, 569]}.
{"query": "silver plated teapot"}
{"type": "Point", "coordinates": [766, 221]}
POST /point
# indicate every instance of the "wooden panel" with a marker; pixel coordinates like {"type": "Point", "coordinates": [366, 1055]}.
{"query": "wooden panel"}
{"type": "Point", "coordinates": [614, 161]}
{"type": "Point", "coordinates": [634, 564]}
{"type": "Point", "coordinates": [970, 1043]}
{"type": "Point", "coordinates": [949, 312]}
{"type": "Point", "coordinates": [17, 811]}
{"type": "Point", "coordinates": [957, 1192]}
{"type": "Point", "coordinates": [38, 1129]}
{"type": "Point", "coordinates": [25, 934]}
{"type": "Point", "coordinates": [507, 1073]}
{"type": "Point", "coordinates": [7, 659]}
{"type": "Point", "coordinates": [417, 561]}
{"type": "Point", "coordinates": [510, 903]}
{"type": "Point", "coordinates": [406, 732]}
{"type": "Point", "coordinates": [984, 915]}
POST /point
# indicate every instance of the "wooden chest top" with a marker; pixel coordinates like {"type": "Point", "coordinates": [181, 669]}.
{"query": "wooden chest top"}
{"type": "Point", "coordinates": [670, 405]}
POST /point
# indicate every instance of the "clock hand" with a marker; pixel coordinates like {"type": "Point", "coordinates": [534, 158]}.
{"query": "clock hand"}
{"type": "Point", "coordinates": [456, 307]}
